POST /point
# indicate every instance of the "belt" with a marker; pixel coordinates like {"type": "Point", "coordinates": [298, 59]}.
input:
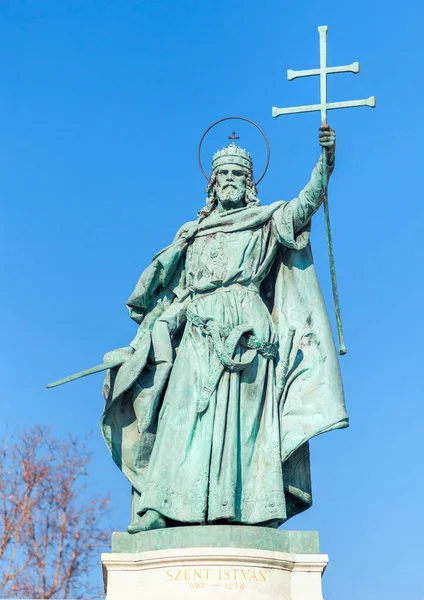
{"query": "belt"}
{"type": "Point", "coordinates": [225, 340]}
{"type": "Point", "coordinates": [234, 287]}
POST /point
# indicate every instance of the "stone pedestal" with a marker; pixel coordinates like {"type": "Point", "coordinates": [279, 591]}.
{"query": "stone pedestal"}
{"type": "Point", "coordinates": [216, 562]}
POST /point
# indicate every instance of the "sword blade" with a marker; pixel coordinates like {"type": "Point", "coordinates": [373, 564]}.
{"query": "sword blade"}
{"type": "Point", "coordinates": [103, 367]}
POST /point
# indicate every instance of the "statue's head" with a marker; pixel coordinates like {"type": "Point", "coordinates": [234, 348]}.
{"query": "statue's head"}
{"type": "Point", "coordinates": [231, 183]}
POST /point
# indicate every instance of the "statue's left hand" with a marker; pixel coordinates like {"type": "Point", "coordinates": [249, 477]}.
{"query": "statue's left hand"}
{"type": "Point", "coordinates": [327, 137]}
{"type": "Point", "coordinates": [119, 354]}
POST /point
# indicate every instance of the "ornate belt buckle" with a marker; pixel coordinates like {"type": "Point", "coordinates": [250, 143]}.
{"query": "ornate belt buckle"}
{"type": "Point", "coordinates": [269, 350]}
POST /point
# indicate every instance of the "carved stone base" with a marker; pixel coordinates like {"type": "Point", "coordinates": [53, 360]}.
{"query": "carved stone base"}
{"type": "Point", "coordinates": [216, 572]}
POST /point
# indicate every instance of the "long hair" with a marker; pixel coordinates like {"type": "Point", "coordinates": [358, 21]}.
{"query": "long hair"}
{"type": "Point", "coordinates": [251, 198]}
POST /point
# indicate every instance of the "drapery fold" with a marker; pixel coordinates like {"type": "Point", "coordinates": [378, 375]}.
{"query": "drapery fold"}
{"type": "Point", "coordinates": [312, 399]}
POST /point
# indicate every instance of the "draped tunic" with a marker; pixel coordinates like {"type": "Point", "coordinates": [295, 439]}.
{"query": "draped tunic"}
{"type": "Point", "coordinates": [215, 427]}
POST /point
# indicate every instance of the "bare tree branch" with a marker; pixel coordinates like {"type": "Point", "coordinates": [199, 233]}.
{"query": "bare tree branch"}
{"type": "Point", "coordinates": [50, 529]}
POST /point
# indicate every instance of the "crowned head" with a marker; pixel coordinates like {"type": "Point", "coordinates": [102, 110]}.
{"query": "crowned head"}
{"type": "Point", "coordinates": [234, 155]}
{"type": "Point", "coordinates": [231, 183]}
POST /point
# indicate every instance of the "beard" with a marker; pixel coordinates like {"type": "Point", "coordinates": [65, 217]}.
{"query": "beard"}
{"type": "Point", "coordinates": [231, 196]}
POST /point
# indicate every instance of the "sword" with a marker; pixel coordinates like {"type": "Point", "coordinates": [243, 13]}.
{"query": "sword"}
{"type": "Point", "coordinates": [103, 367]}
{"type": "Point", "coordinates": [130, 367]}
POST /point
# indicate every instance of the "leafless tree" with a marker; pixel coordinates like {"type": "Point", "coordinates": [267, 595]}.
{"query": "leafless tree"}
{"type": "Point", "coordinates": [50, 531]}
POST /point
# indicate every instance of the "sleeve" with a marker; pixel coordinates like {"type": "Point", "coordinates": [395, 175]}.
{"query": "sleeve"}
{"type": "Point", "coordinates": [295, 215]}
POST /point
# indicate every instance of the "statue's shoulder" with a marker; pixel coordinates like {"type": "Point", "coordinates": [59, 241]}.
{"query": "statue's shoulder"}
{"type": "Point", "coordinates": [186, 231]}
{"type": "Point", "coordinates": [184, 234]}
{"type": "Point", "coordinates": [264, 212]}
{"type": "Point", "coordinates": [276, 205]}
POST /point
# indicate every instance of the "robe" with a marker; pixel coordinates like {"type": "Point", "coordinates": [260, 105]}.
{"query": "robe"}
{"type": "Point", "coordinates": [239, 370]}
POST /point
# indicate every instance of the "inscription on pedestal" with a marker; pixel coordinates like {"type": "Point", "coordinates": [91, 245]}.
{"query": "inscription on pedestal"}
{"type": "Point", "coordinates": [229, 578]}
{"type": "Point", "coordinates": [197, 565]}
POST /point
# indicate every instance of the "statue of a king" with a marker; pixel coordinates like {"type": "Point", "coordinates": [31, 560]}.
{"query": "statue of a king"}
{"type": "Point", "coordinates": [237, 364]}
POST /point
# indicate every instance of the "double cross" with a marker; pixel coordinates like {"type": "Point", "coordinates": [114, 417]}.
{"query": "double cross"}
{"type": "Point", "coordinates": [323, 107]}
{"type": "Point", "coordinates": [323, 71]}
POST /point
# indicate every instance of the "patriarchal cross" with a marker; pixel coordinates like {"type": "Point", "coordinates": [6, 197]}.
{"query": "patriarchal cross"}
{"type": "Point", "coordinates": [323, 71]}
{"type": "Point", "coordinates": [323, 107]}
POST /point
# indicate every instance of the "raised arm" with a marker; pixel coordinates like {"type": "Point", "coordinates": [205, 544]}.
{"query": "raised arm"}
{"type": "Point", "coordinates": [310, 198]}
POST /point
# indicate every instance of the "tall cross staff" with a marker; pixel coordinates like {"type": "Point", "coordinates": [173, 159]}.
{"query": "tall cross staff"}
{"type": "Point", "coordinates": [323, 107]}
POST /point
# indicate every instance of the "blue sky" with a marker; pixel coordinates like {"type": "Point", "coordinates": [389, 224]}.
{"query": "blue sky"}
{"type": "Point", "coordinates": [102, 104]}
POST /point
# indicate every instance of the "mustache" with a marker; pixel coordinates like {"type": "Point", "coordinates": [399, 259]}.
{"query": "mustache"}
{"type": "Point", "coordinates": [229, 185]}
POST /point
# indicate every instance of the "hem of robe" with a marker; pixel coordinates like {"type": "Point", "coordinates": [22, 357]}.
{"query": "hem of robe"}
{"type": "Point", "coordinates": [273, 508]}
{"type": "Point", "coordinates": [273, 522]}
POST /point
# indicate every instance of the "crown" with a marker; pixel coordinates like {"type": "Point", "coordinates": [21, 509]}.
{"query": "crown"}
{"type": "Point", "coordinates": [232, 154]}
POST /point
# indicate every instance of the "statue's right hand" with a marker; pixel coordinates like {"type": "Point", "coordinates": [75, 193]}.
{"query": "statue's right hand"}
{"type": "Point", "coordinates": [120, 354]}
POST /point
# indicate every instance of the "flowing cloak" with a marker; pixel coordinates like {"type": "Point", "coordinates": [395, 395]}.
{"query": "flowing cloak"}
{"type": "Point", "coordinates": [312, 400]}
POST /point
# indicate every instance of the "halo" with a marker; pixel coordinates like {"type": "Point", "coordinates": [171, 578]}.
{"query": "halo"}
{"type": "Point", "coordinates": [241, 119]}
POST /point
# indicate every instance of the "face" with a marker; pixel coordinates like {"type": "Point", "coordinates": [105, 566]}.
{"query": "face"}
{"type": "Point", "coordinates": [230, 186]}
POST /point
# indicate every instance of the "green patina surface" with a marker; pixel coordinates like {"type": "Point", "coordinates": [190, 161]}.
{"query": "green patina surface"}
{"type": "Point", "coordinates": [218, 536]}
{"type": "Point", "coordinates": [233, 368]}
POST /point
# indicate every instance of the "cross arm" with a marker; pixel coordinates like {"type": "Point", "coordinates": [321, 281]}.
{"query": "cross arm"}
{"type": "Point", "coordinates": [352, 68]}
{"type": "Point", "coordinates": [277, 112]}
